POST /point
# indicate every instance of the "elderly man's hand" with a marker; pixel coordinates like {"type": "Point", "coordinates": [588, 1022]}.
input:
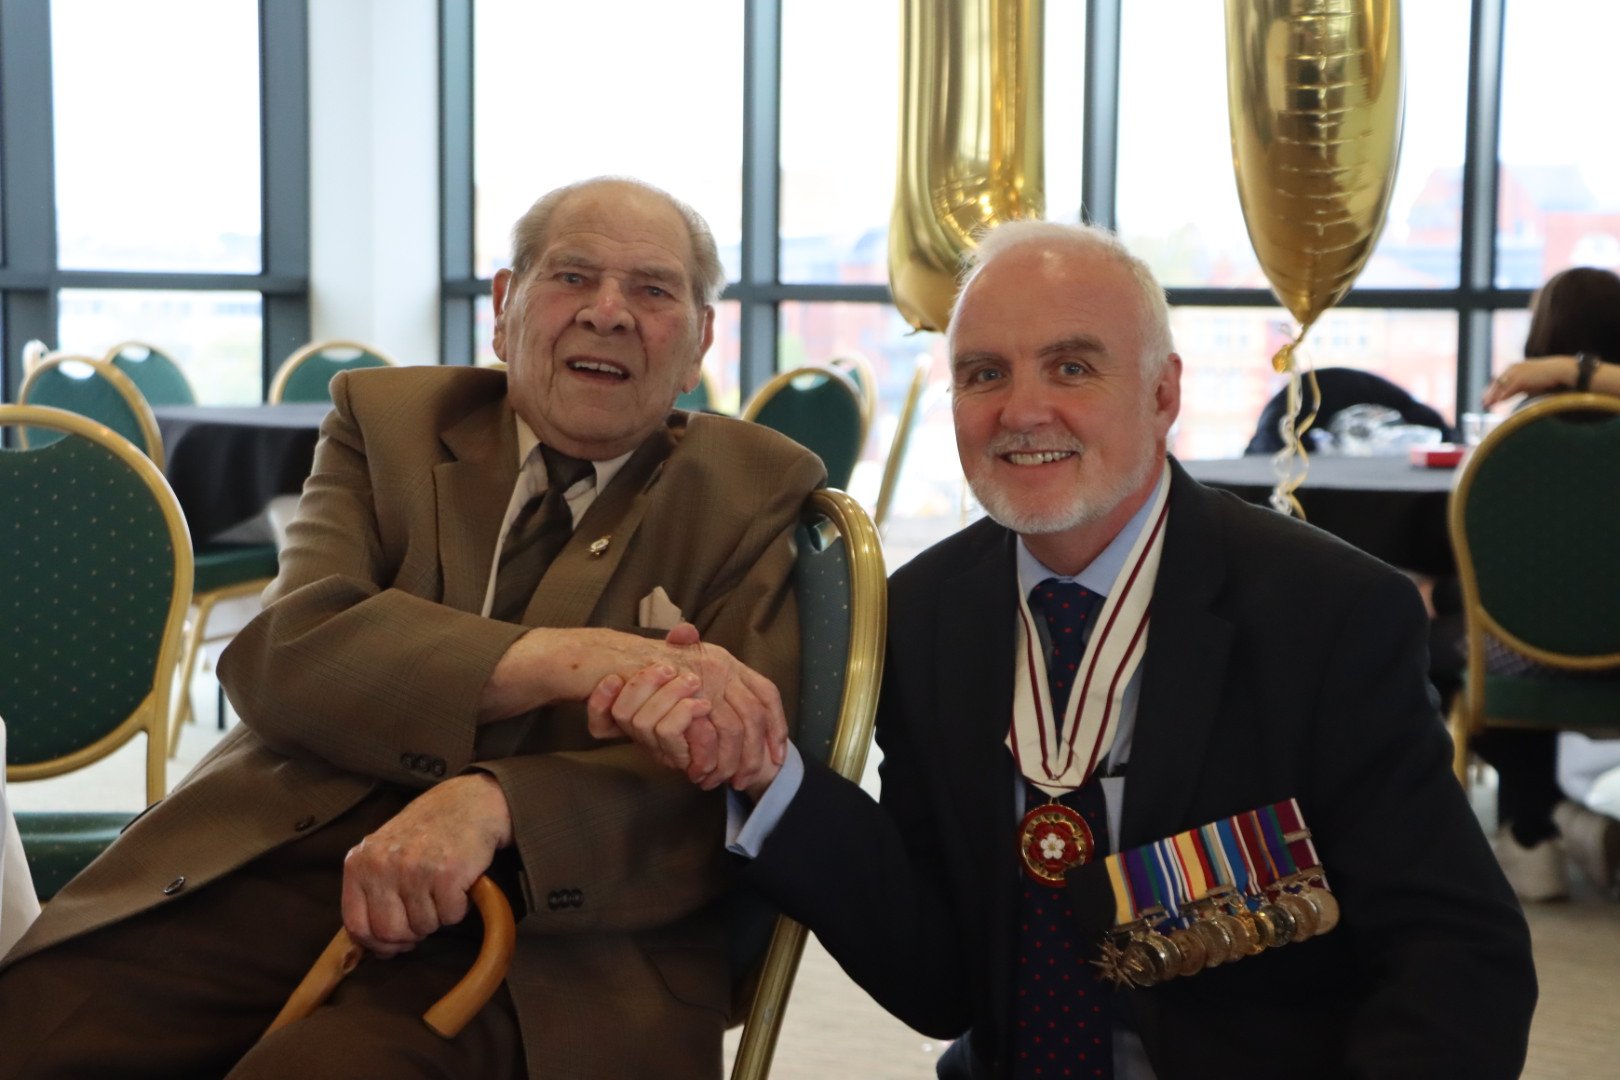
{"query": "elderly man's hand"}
{"type": "Point", "coordinates": [411, 876]}
{"type": "Point", "coordinates": [703, 712]}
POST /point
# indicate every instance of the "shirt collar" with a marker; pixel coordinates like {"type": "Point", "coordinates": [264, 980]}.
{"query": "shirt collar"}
{"type": "Point", "coordinates": [527, 440]}
{"type": "Point", "coordinates": [1099, 575]}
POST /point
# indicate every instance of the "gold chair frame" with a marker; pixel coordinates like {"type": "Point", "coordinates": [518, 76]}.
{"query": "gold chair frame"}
{"type": "Point", "coordinates": [902, 442]}
{"type": "Point", "coordinates": [856, 718]}
{"type": "Point", "coordinates": [152, 714]}
{"type": "Point", "coordinates": [860, 372]}
{"type": "Point", "coordinates": [278, 385]}
{"type": "Point", "coordinates": [1468, 709]}
{"type": "Point", "coordinates": [151, 438]}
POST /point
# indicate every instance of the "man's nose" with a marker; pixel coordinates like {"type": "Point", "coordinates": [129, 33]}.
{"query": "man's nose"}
{"type": "Point", "coordinates": [1025, 404]}
{"type": "Point", "coordinates": [605, 310]}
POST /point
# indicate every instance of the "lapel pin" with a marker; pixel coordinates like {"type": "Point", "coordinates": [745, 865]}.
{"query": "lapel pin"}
{"type": "Point", "coordinates": [599, 546]}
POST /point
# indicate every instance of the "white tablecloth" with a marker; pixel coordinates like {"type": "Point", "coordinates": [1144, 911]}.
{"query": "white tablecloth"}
{"type": "Point", "coordinates": [18, 906]}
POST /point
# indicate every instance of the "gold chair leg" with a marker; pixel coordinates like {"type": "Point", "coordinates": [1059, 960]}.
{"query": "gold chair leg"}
{"type": "Point", "coordinates": [189, 649]}
{"type": "Point", "coordinates": [1459, 740]}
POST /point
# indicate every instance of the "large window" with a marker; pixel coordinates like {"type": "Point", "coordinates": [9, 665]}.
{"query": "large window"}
{"type": "Point", "coordinates": [154, 175]}
{"type": "Point", "coordinates": [789, 120]}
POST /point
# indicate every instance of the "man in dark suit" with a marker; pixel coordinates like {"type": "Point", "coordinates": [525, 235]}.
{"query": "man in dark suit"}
{"type": "Point", "coordinates": [411, 711]}
{"type": "Point", "coordinates": [1065, 388]}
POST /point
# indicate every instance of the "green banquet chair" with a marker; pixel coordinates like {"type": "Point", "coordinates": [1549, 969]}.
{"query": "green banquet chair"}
{"type": "Point", "coordinates": [1533, 518]}
{"type": "Point", "coordinates": [843, 607]}
{"type": "Point", "coordinates": [307, 373]}
{"type": "Point", "coordinates": [819, 408]}
{"type": "Point", "coordinates": [95, 578]}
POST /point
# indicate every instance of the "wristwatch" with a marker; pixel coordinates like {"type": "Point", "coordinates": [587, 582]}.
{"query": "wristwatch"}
{"type": "Point", "coordinates": [1585, 366]}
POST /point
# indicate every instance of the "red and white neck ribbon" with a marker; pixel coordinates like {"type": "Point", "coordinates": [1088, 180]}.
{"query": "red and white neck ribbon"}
{"type": "Point", "coordinates": [1060, 763]}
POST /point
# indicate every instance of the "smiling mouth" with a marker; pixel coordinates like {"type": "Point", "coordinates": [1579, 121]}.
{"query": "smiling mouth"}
{"type": "Point", "coordinates": [1036, 457]}
{"type": "Point", "coordinates": [599, 367]}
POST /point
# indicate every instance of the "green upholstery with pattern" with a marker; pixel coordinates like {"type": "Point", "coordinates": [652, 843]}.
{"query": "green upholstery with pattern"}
{"type": "Point", "coordinates": [1534, 521]}
{"type": "Point", "coordinates": [154, 373]}
{"type": "Point", "coordinates": [220, 566]}
{"type": "Point", "coordinates": [819, 410]}
{"type": "Point", "coordinates": [311, 379]}
{"type": "Point", "coordinates": [1543, 517]}
{"type": "Point", "coordinates": [94, 574]}
{"type": "Point", "coordinates": [77, 388]}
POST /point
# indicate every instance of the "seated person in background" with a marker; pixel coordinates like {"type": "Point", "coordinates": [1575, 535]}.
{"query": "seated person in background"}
{"type": "Point", "coordinates": [1341, 388]}
{"type": "Point", "coordinates": [1577, 311]}
{"type": "Point", "coordinates": [1065, 386]}
{"type": "Point", "coordinates": [474, 551]}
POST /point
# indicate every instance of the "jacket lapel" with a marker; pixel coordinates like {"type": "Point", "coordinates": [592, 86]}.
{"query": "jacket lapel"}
{"type": "Point", "coordinates": [473, 491]}
{"type": "Point", "coordinates": [1183, 671]}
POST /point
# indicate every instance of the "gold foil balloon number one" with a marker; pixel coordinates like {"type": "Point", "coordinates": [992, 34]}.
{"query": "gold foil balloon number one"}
{"type": "Point", "coordinates": [970, 141]}
{"type": "Point", "coordinates": [1315, 96]}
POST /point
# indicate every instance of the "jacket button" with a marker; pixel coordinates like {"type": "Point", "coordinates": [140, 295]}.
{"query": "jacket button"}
{"type": "Point", "coordinates": [174, 886]}
{"type": "Point", "coordinates": [303, 823]}
{"type": "Point", "coordinates": [438, 767]}
{"type": "Point", "coordinates": [576, 898]}
{"type": "Point", "coordinates": [554, 900]}
{"type": "Point", "coordinates": [408, 761]}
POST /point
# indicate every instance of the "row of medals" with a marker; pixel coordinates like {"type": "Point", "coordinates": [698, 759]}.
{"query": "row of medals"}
{"type": "Point", "coordinates": [1223, 929]}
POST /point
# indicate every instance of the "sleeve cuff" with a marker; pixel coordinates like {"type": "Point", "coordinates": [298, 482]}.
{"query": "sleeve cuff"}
{"type": "Point", "coordinates": [748, 829]}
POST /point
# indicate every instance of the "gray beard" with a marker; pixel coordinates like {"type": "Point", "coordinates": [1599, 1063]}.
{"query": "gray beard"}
{"type": "Point", "coordinates": [1080, 509]}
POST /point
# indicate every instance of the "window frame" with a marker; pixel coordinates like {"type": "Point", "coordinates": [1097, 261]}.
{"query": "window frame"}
{"type": "Point", "coordinates": [29, 275]}
{"type": "Point", "coordinates": [760, 291]}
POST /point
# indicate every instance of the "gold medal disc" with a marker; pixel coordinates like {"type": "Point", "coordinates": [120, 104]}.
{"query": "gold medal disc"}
{"type": "Point", "coordinates": [1053, 839]}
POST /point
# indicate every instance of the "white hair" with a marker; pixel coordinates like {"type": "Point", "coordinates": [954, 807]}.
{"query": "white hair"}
{"type": "Point", "coordinates": [998, 240]}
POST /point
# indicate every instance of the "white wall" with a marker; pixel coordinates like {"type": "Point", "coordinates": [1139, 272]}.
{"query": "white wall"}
{"type": "Point", "coordinates": [374, 174]}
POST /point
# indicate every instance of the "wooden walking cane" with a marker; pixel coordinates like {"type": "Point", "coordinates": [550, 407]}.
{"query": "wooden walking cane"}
{"type": "Point", "coordinates": [450, 1013]}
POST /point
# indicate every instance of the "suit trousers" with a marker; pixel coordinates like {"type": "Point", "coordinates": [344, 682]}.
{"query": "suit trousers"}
{"type": "Point", "coordinates": [186, 989]}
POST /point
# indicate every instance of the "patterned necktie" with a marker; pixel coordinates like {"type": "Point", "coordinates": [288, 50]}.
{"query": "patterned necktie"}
{"type": "Point", "coordinates": [541, 528]}
{"type": "Point", "coordinates": [1062, 1009]}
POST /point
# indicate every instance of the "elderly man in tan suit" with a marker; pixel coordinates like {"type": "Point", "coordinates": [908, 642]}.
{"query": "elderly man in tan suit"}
{"type": "Point", "coordinates": [411, 716]}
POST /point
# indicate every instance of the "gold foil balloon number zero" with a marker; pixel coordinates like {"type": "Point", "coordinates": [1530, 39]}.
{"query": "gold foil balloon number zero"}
{"type": "Point", "coordinates": [970, 141]}
{"type": "Point", "coordinates": [1314, 91]}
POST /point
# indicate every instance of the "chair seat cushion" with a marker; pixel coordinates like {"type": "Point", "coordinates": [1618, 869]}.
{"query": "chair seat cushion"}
{"type": "Point", "coordinates": [219, 565]}
{"type": "Point", "coordinates": [60, 844]}
{"type": "Point", "coordinates": [1577, 702]}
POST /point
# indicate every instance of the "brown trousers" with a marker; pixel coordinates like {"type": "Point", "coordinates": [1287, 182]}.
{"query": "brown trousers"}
{"type": "Point", "coordinates": [185, 990]}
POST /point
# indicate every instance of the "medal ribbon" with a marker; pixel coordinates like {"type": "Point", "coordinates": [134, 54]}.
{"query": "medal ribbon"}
{"type": "Point", "coordinates": [1059, 761]}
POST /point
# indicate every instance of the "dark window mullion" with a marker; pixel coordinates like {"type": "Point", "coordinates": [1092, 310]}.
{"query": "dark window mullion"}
{"type": "Point", "coordinates": [762, 119]}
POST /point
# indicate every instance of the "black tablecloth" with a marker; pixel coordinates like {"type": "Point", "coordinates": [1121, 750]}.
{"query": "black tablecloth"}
{"type": "Point", "coordinates": [1383, 505]}
{"type": "Point", "coordinates": [226, 462]}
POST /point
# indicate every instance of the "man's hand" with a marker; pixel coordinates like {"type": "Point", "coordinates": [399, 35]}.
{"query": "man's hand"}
{"type": "Point", "coordinates": [411, 876]}
{"type": "Point", "coordinates": [705, 713]}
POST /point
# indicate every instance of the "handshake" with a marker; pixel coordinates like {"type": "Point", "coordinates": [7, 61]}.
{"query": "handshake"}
{"type": "Point", "coordinates": [697, 709]}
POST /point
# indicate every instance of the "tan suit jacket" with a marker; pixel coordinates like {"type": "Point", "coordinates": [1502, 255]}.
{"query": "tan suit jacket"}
{"type": "Point", "coordinates": [367, 662]}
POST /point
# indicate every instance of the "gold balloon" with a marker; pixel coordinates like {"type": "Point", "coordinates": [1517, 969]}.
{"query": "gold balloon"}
{"type": "Point", "coordinates": [970, 141]}
{"type": "Point", "coordinates": [1315, 96]}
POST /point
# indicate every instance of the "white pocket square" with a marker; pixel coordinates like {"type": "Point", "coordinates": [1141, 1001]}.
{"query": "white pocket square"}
{"type": "Point", "coordinates": [657, 612]}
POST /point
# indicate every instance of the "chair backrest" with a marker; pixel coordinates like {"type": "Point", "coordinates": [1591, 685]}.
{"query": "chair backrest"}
{"type": "Point", "coordinates": [307, 373]}
{"type": "Point", "coordinates": [700, 398]}
{"type": "Point", "coordinates": [154, 373]}
{"type": "Point", "coordinates": [93, 389]}
{"type": "Point", "coordinates": [97, 559]}
{"type": "Point", "coordinates": [859, 370]}
{"type": "Point", "coordinates": [843, 607]}
{"type": "Point", "coordinates": [819, 408]}
{"type": "Point", "coordinates": [1341, 388]}
{"type": "Point", "coordinates": [1533, 517]}
{"type": "Point", "coordinates": [902, 440]}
